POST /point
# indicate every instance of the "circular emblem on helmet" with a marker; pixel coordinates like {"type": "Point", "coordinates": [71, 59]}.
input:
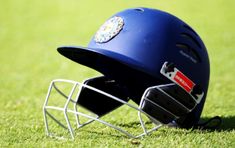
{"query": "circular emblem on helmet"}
{"type": "Point", "coordinates": [109, 29]}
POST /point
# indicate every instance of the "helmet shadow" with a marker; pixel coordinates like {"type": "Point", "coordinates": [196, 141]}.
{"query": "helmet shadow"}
{"type": "Point", "coordinates": [227, 124]}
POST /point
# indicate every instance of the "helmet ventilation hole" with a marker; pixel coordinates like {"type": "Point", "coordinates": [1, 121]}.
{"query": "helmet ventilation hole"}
{"type": "Point", "coordinates": [189, 51]}
{"type": "Point", "coordinates": [190, 37]}
{"type": "Point", "coordinates": [139, 9]}
{"type": "Point", "coordinates": [190, 29]}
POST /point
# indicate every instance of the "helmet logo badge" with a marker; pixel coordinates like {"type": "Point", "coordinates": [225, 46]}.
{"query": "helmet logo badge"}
{"type": "Point", "coordinates": [109, 29]}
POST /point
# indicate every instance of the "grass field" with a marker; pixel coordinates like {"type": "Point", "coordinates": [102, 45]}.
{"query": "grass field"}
{"type": "Point", "coordinates": [30, 32]}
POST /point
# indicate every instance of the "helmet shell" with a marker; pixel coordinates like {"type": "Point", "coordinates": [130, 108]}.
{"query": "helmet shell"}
{"type": "Point", "coordinates": [137, 51]}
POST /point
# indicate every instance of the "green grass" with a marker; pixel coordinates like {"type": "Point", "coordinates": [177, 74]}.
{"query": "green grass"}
{"type": "Point", "coordinates": [30, 31]}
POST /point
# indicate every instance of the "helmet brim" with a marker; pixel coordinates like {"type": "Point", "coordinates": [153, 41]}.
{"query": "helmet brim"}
{"type": "Point", "coordinates": [98, 59]}
{"type": "Point", "coordinates": [114, 66]}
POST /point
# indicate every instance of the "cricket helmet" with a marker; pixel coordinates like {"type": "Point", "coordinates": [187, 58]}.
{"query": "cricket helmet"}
{"type": "Point", "coordinates": [150, 57]}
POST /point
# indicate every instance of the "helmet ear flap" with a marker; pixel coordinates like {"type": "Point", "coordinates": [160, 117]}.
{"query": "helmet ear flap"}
{"type": "Point", "coordinates": [97, 102]}
{"type": "Point", "coordinates": [167, 103]}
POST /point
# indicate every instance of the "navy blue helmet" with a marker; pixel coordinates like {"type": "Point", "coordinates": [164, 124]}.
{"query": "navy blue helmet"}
{"type": "Point", "coordinates": [131, 48]}
{"type": "Point", "coordinates": [150, 57]}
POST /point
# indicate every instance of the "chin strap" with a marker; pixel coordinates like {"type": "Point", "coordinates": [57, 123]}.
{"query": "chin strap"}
{"type": "Point", "coordinates": [211, 124]}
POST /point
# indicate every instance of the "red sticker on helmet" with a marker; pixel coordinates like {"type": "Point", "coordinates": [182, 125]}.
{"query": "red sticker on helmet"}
{"type": "Point", "coordinates": [176, 76]}
{"type": "Point", "coordinates": [184, 81]}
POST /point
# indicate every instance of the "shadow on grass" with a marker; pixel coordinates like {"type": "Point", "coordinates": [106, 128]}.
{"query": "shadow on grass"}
{"type": "Point", "coordinates": [228, 123]}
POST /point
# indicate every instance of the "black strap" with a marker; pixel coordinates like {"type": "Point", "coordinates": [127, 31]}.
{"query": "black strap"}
{"type": "Point", "coordinates": [211, 124]}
